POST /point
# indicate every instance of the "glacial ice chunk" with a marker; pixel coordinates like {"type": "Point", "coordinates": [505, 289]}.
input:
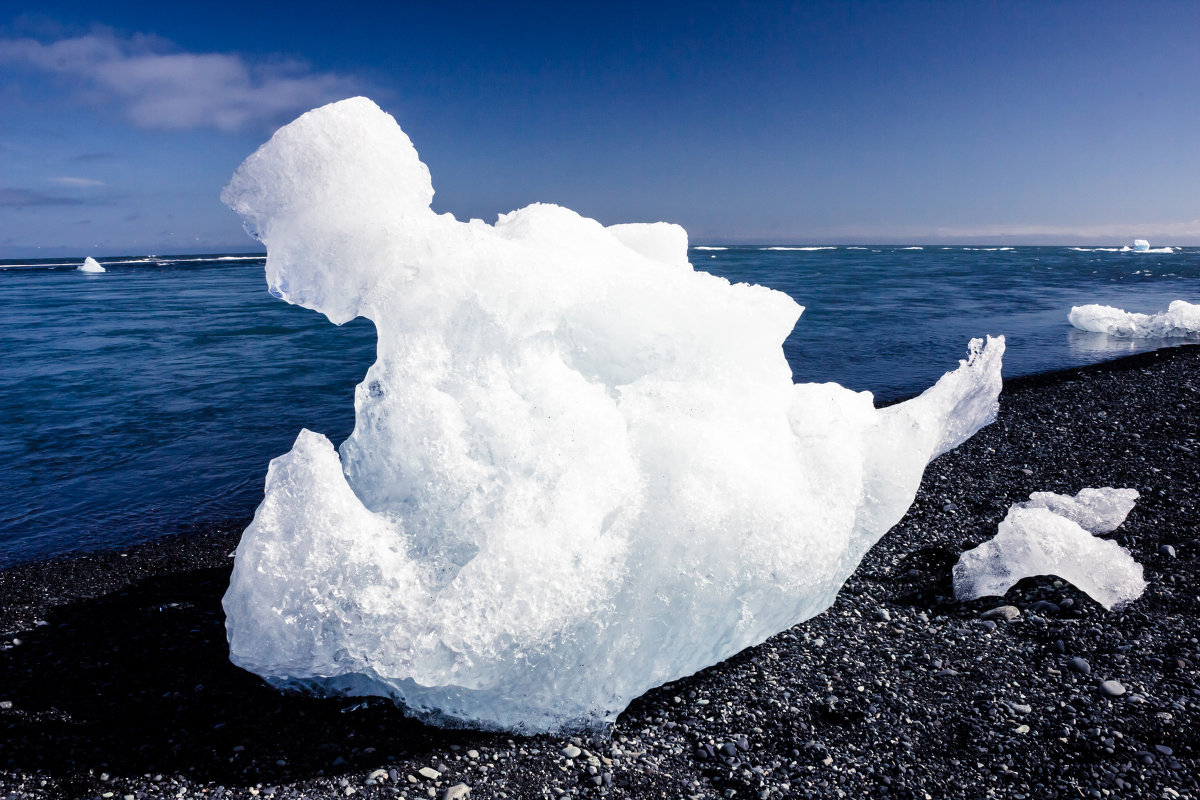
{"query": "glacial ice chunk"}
{"type": "Point", "coordinates": [1053, 534]}
{"type": "Point", "coordinates": [90, 265]}
{"type": "Point", "coordinates": [1180, 320]}
{"type": "Point", "coordinates": [1143, 246]}
{"type": "Point", "coordinates": [579, 468]}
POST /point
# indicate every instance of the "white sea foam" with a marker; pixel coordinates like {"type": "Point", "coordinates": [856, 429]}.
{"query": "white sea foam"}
{"type": "Point", "coordinates": [1053, 534]}
{"type": "Point", "coordinates": [823, 247]}
{"type": "Point", "coordinates": [702, 247]}
{"type": "Point", "coordinates": [579, 467]}
{"type": "Point", "coordinates": [90, 265]}
{"type": "Point", "coordinates": [1180, 320]}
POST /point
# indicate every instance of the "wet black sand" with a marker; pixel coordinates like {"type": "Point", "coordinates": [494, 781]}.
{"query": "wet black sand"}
{"type": "Point", "coordinates": [120, 686]}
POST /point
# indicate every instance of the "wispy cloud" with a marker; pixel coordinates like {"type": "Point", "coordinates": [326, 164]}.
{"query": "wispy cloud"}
{"type": "Point", "coordinates": [28, 198]}
{"type": "Point", "coordinates": [156, 85]}
{"type": "Point", "coordinates": [77, 183]}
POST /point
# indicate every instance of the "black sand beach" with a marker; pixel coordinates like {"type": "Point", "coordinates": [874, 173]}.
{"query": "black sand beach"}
{"type": "Point", "coordinates": [115, 682]}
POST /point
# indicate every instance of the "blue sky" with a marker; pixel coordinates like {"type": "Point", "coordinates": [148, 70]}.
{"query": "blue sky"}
{"type": "Point", "coordinates": [761, 122]}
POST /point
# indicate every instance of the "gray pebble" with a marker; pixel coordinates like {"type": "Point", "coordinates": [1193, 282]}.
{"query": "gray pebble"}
{"type": "Point", "coordinates": [1112, 688]}
{"type": "Point", "coordinates": [1077, 664]}
{"type": "Point", "coordinates": [429, 773]}
{"type": "Point", "coordinates": [457, 792]}
{"type": "Point", "coordinates": [884, 615]}
{"type": "Point", "coordinates": [1005, 613]}
{"type": "Point", "coordinates": [1167, 550]}
{"type": "Point", "coordinates": [570, 751]}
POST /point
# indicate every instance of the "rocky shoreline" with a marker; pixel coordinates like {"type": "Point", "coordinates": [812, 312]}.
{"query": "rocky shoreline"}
{"type": "Point", "coordinates": [115, 682]}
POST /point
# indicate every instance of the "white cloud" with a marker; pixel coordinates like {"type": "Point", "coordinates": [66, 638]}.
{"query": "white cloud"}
{"type": "Point", "coordinates": [157, 86]}
{"type": "Point", "coordinates": [66, 180]}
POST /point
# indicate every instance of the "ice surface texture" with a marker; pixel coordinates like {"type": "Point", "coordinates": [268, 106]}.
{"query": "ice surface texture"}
{"type": "Point", "coordinates": [579, 469]}
{"type": "Point", "coordinates": [1180, 320]}
{"type": "Point", "coordinates": [90, 265]}
{"type": "Point", "coordinates": [1052, 534]}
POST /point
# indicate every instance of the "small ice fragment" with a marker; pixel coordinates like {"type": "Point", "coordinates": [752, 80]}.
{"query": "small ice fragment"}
{"type": "Point", "coordinates": [90, 265]}
{"type": "Point", "coordinates": [1180, 320]}
{"type": "Point", "coordinates": [1046, 536]}
{"type": "Point", "coordinates": [1094, 510]}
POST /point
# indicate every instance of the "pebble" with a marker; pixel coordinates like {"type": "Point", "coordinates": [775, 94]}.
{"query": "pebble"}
{"type": "Point", "coordinates": [570, 751]}
{"type": "Point", "coordinates": [884, 615]}
{"type": "Point", "coordinates": [1077, 664]}
{"type": "Point", "coordinates": [457, 792]}
{"type": "Point", "coordinates": [1005, 613]}
{"type": "Point", "coordinates": [1167, 550]}
{"type": "Point", "coordinates": [429, 773]}
{"type": "Point", "coordinates": [1112, 688]}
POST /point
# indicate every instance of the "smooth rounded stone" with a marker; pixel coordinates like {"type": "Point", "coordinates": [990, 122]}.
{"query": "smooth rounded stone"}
{"type": "Point", "coordinates": [570, 751]}
{"type": "Point", "coordinates": [457, 792]}
{"type": "Point", "coordinates": [429, 773]}
{"type": "Point", "coordinates": [729, 749]}
{"type": "Point", "coordinates": [1077, 664]}
{"type": "Point", "coordinates": [1167, 550]}
{"type": "Point", "coordinates": [884, 615]}
{"type": "Point", "coordinates": [473, 754]}
{"type": "Point", "coordinates": [1005, 613]}
{"type": "Point", "coordinates": [1112, 688]}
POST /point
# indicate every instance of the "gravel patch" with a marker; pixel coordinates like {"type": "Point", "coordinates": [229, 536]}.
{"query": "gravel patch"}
{"type": "Point", "coordinates": [120, 685]}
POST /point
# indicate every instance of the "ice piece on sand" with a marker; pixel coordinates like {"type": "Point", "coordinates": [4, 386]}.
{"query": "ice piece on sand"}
{"type": "Point", "coordinates": [579, 469]}
{"type": "Point", "coordinates": [90, 265]}
{"type": "Point", "coordinates": [1180, 320]}
{"type": "Point", "coordinates": [1052, 534]}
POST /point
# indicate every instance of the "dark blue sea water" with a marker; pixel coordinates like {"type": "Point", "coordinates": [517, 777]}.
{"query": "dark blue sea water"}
{"type": "Point", "coordinates": [148, 400]}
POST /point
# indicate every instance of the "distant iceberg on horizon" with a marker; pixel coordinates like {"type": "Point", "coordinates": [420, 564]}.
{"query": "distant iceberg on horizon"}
{"type": "Point", "coordinates": [90, 265]}
{"type": "Point", "coordinates": [1143, 246]}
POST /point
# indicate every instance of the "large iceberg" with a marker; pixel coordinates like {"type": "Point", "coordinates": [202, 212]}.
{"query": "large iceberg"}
{"type": "Point", "coordinates": [1180, 320]}
{"type": "Point", "coordinates": [1053, 534]}
{"type": "Point", "coordinates": [579, 468]}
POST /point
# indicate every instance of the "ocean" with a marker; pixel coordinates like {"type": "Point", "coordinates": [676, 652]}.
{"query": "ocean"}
{"type": "Point", "coordinates": [148, 400]}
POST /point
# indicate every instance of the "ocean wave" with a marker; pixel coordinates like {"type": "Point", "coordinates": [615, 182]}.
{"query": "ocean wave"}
{"type": "Point", "coordinates": [1180, 320]}
{"type": "Point", "coordinates": [1160, 250]}
{"type": "Point", "coordinates": [912, 247]}
{"type": "Point", "coordinates": [823, 247]}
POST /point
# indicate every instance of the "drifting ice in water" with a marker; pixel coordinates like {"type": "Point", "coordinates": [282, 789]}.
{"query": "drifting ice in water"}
{"type": "Point", "coordinates": [1180, 320]}
{"type": "Point", "coordinates": [90, 265]}
{"type": "Point", "coordinates": [1052, 534]}
{"type": "Point", "coordinates": [579, 469]}
{"type": "Point", "coordinates": [1143, 246]}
